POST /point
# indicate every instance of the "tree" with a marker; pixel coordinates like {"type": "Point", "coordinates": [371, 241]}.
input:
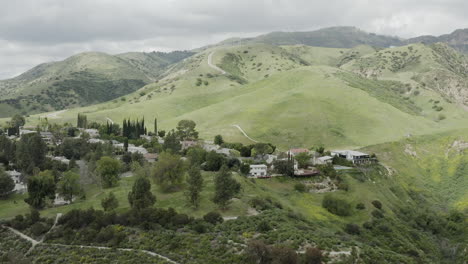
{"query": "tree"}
{"type": "Point", "coordinates": [313, 256]}
{"type": "Point", "coordinates": [108, 168]}
{"type": "Point", "coordinates": [69, 185]}
{"type": "Point", "coordinates": [213, 218]}
{"type": "Point", "coordinates": [7, 150]}
{"type": "Point", "coordinates": [141, 197]}
{"type": "Point", "coordinates": [284, 255]}
{"type": "Point", "coordinates": [30, 152]}
{"type": "Point", "coordinates": [186, 130]}
{"type": "Point", "coordinates": [303, 159]}
{"type": "Point", "coordinates": [40, 187]}
{"type": "Point", "coordinates": [225, 187]}
{"type": "Point", "coordinates": [172, 142]}
{"type": "Point", "coordinates": [168, 171]}
{"type": "Point", "coordinates": [261, 149]}
{"type": "Point", "coordinates": [7, 185]}
{"type": "Point", "coordinates": [214, 161]}
{"type": "Point", "coordinates": [195, 182]}
{"type": "Point", "coordinates": [218, 140]}
{"type": "Point", "coordinates": [82, 121]}
{"type": "Point", "coordinates": [196, 155]}
{"type": "Point", "coordinates": [16, 122]}
{"type": "Point", "coordinates": [258, 252]}
{"type": "Point", "coordinates": [110, 202]}
{"type": "Point", "coordinates": [161, 133]}
{"type": "Point", "coordinates": [155, 126]}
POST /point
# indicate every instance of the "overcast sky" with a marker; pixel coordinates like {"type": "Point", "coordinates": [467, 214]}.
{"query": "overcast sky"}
{"type": "Point", "coordinates": [37, 31]}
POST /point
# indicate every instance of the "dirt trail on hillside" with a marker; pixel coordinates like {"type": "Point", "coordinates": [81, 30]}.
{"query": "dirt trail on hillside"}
{"type": "Point", "coordinates": [245, 134]}
{"type": "Point", "coordinates": [210, 63]}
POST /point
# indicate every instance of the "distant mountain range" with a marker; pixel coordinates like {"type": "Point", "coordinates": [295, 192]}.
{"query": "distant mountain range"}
{"type": "Point", "coordinates": [349, 37]}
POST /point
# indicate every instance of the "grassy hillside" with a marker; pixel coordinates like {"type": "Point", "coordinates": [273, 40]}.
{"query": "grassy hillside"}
{"type": "Point", "coordinates": [80, 80]}
{"type": "Point", "coordinates": [274, 95]}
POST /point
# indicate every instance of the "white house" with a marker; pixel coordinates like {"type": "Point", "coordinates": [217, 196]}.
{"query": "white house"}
{"type": "Point", "coordinates": [355, 157]}
{"type": "Point", "coordinates": [258, 171]}
{"type": "Point", "coordinates": [26, 131]}
{"type": "Point", "coordinates": [61, 159]}
{"type": "Point", "coordinates": [210, 146]}
{"type": "Point", "coordinates": [133, 149]}
{"type": "Point", "coordinates": [224, 151]}
{"type": "Point", "coordinates": [323, 160]}
{"type": "Point", "coordinates": [93, 133]}
{"type": "Point", "coordinates": [20, 187]}
{"type": "Point", "coordinates": [96, 141]}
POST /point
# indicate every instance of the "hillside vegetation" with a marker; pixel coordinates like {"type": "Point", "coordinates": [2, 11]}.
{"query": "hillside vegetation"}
{"type": "Point", "coordinates": [83, 79]}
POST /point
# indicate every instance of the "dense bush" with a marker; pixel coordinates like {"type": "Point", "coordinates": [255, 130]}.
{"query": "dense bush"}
{"type": "Point", "coordinates": [213, 218]}
{"type": "Point", "coordinates": [336, 205]}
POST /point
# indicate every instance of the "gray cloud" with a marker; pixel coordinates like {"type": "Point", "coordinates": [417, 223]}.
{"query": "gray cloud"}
{"type": "Point", "coordinates": [35, 31]}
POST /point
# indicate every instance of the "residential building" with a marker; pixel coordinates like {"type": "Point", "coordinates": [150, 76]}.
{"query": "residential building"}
{"type": "Point", "coordinates": [355, 157]}
{"type": "Point", "coordinates": [322, 160]}
{"type": "Point", "coordinates": [133, 149]}
{"type": "Point", "coordinates": [93, 133]}
{"type": "Point", "coordinates": [151, 157]}
{"type": "Point", "coordinates": [258, 171]}
{"type": "Point", "coordinates": [20, 187]}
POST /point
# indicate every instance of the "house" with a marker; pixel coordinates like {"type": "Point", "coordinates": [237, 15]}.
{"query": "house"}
{"type": "Point", "coordinates": [224, 151]}
{"type": "Point", "coordinates": [61, 159]}
{"type": "Point", "coordinates": [210, 146]}
{"type": "Point", "coordinates": [295, 151]}
{"type": "Point", "coordinates": [133, 149]}
{"type": "Point", "coordinates": [355, 157]}
{"type": "Point", "coordinates": [97, 141]}
{"type": "Point", "coordinates": [151, 157]}
{"type": "Point", "coordinates": [188, 143]}
{"type": "Point", "coordinates": [47, 136]}
{"type": "Point", "coordinates": [93, 133]}
{"type": "Point", "coordinates": [258, 171]}
{"type": "Point", "coordinates": [323, 160]}
{"type": "Point", "coordinates": [270, 158]}
{"type": "Point", "coordinates": [26, 131]}
{"type": "Point", "coordinates": [20, 187]}
{"type": "Point", "coordinates": [148, 138]}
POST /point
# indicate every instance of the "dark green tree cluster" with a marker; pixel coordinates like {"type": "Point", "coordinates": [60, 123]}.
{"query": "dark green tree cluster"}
{"type": "Point", "coordinates": [195, 185]}
{"type": "Point", "coordinates": [141, 197]}
{"type": "Point", "coordinates": [226, 187]}
{"type": "Point", "coordinates": [186, 130]}
{"type": "Point", "coordinates": [133, 129]}
{"type": "Point", "coordinates": [40, 187]}
{"type": "Point", "coordinates": [30, 152]}
{"type": "Point", "coordinates": [82, 121]}
{"type": "Point", "coordinates": [7, 150]}
{"type": "Point", "coordinates": [112, 129]}
{"type": "Point", "coordinates": [15, 123]}
{"type": "Point", "coordinates": [6, 183]}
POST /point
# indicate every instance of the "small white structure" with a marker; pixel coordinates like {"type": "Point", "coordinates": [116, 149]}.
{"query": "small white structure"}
{"type": "Point", "coordinates": [270, 158]}
{"type": "Point", "coordinates": [258, 171]}
{"type": "Point", "coordinates": [133, 149]}
{"type": "Point", "coordinates": [323, 160]}
{"type": "Point", "coordinates": [210, 146]}
{"type": "Point", "coordinates": [61, 159]}
{"type": "Point", "coordinates": [355, 157]}
{"type": "Point", "coordinates": [96, 141]}
{"type": "Point", "coordinates": [149, 138]}
{"type": "Point", "coordinates": [93, 133]}
{"type": "Point", "coordinates": [46, 136]}
{"type": "Point", "coordinates": [26, 131]}
{"type": "Point", "coordinates": [224, 151]}
{"type": "Point", "coordinates": [20, 187]}
{"type": "Point", "coordinates": [161, 141]}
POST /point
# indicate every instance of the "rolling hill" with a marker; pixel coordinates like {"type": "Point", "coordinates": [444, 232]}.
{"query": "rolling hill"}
{"type": "Point", "coordinates": [297, 96]}
{"type": "Point", "coordinates": [83, 79]}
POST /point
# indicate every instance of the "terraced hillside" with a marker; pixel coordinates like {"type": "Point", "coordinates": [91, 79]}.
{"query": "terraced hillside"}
{"type": "Point", "coordinates": [80, 80]}
{"type": "Point", "coordinates": [293, 96]}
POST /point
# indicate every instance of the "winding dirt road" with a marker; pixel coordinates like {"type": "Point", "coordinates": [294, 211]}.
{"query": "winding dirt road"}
{"type": "Point", "coordinates": [210, 63]}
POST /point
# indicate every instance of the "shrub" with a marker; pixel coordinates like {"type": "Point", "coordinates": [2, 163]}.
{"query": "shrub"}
{"type": "Point", "coordinates": [38, 228]}
{"type": "Point", "coordinates": [263, 226]}
{"type": "Point", "coordinates": [377, 204]}
{"type": "Point", "coordinates": [300, 187]}
{"type": "Point", "coordinates": [336, 206]}
{"type": "Point", "coordinates": [313, 256]}
{"type": "Point", "coordinates": [352, 229]}
{"type": "Point", "coordinates": [213, 218]}
{"type": "Point", "coordinates": [377, 214]}
{"type": "Point", "coordinates": [360, 206]}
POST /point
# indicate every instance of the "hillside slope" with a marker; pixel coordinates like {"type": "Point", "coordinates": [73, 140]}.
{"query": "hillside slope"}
{"type": "Point", "coordinates": [285, 95]}
{"type": "Point", "coordinates": [83, 79]}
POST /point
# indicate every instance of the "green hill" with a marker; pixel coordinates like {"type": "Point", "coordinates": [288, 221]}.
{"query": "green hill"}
{"type": "Point", "coordinates": [292, 96]}
{"type": "Point", "coordinates": [83, 79]}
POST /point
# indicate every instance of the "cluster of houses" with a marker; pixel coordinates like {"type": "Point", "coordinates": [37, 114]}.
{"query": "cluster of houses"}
{"type": "Point", "coordinates": [262, 166]}
{"type": "Point", "coordinates": [265, 169]}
